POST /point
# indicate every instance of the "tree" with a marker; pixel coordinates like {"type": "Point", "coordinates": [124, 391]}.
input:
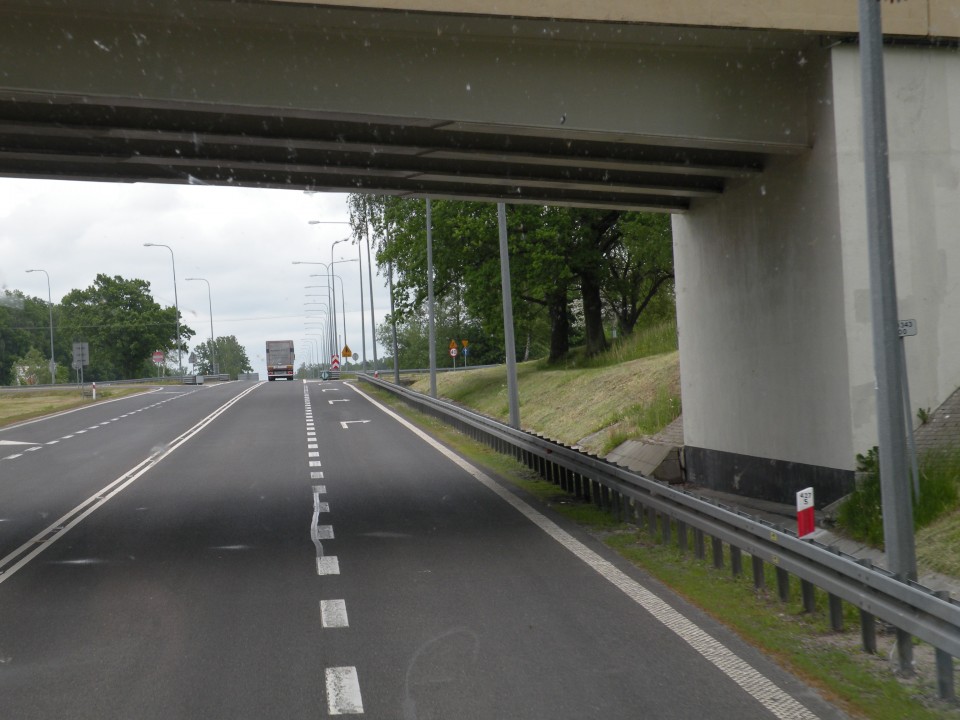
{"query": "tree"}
{"type": "Point", "coordinates": [230, 356]}
{"type": "Point", "coordinates": [123, 325]}
{"type": "Point", "coordinates": [24, 326]}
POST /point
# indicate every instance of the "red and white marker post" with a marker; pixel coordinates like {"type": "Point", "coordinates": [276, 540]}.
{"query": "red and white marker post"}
{"type": "Point", "coordinates": [806, 521]}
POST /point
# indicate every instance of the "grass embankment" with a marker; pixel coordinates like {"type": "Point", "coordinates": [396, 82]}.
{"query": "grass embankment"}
{"type": "Point", "coordinates": [631, 390]}
{"type": "Point", "coordinates": [19, 406]}
{"type": "Point", "coordinates": [864, 685]}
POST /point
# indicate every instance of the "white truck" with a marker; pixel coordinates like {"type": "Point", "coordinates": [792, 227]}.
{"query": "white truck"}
{"type": "Point", "coordinates": [280, 359]}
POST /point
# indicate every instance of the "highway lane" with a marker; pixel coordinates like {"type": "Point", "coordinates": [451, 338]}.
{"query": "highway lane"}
{"type": "Point", "coordinates": [293, 561]}
{"type": "Point", "coordinates": [49, 465]}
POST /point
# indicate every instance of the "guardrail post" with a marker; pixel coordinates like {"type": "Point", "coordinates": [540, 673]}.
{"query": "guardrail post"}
{"type": "Point", "coordinates": [945, 685]}
{"type": "Point", "coordinates": [717, 552]}
{"type": "Point", "coordinates": [835, 604]}
{"type": "Point", "coordinates": [666, 531]}
{"type": "Point", "coordinates": [759, 582]}
{"type": "Point", "coordinates": [783, 585]}
{"type": "Point", "coordinates": [736, 561]}
{"type": "Point", "coordinates": [699, 545]}
{"type": "Point", "coordinates": [682, 538]}
{"type": "Point", "coordinates": [808, 596]}
{"type": "Point", "coordinates": [868, 623]}
{"type": "Point", "coordinates": [639, 511]}
{"type": "Point", "coordinates": [652, 521]}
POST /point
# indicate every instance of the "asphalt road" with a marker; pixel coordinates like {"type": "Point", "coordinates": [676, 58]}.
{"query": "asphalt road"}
{"type": "Point", "coordinates": [291, 550]}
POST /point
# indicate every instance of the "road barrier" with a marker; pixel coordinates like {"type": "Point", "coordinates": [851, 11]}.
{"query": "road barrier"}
{"type": "Point", "coordinates": [913, 609]}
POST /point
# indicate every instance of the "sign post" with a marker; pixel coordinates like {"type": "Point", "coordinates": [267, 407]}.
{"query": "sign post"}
{"type": "Point", "coordinates": [806, 520]}
{"type": "Point", "coordinates": [453, 352]}
{"type": "Point", "coordinates": [466, 351]}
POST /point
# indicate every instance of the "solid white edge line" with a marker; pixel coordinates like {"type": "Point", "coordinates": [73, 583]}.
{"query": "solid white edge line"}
{"type": "Point", "coordinates": [343, 691]}
{"type": "Point", "coordinates": [84, 407]}
{"type": "Point", "coordinates": [751, 680]}
{"type": "Point", "coordinates": [103, 496]}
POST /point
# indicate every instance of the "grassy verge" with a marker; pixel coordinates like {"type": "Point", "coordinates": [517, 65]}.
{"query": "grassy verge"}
{"type": "Point", "coordinates": [863, 685]}
{"type": "Point", "coordinates": [19, 406]}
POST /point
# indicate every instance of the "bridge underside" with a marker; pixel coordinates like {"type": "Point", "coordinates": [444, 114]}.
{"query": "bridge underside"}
{"type": "Point", "coordinates": [296, 96]}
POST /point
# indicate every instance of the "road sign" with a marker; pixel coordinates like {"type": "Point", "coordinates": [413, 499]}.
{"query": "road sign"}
{"type": "Point", "coordinates": [465, 343]}
{"type": "Point", "coordinates": [907, 328]}
{"type": "Point", "coordinates": [466, 351]}
{"type": "Point", "coordinates": [346, 352]}
{"type": "Point", "coordinates": [158, 357]}
{"type": "Point", "coordinates": [81, 353]}
{"type": "Point", "coordinates": [335, 363]}
{"type": "Point", "coordinates": [324, 375]}
{"type": "Point", "coordinates": [453, 352]}
{"type": "Point", "coordinates": [453, 344]}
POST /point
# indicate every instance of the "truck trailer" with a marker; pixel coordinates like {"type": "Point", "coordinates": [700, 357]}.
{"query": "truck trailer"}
{"type": "Point", "coordinates": [280, 359]}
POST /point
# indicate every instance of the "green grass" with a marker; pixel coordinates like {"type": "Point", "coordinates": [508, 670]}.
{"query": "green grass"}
{"type": "Point", "coordinates": [641, 419]}
{"type": "Point", "coordinates": [642, 343]}
{"type": "Point", "coordinates": [19, 406]}
{"type": "Point", "coordinates": [861, 515]}
{"type": "Point", "coordinates": [863, 685]}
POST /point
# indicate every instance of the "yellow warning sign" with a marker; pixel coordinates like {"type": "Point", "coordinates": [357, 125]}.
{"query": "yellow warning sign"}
{"type": "Point", "coordinates": [346, 352]}
{"type": "Point", "coordinates": [465, 342]}
{"type": "Point", "coordinates": [453, 344]}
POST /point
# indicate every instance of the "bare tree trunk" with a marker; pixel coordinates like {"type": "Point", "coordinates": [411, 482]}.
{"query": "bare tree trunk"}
{"type": "Point", "coordinates": [592, 313]}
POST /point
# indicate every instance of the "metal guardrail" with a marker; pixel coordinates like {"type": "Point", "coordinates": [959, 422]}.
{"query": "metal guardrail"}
{"type": "Point", "coordinates": [911, 608]}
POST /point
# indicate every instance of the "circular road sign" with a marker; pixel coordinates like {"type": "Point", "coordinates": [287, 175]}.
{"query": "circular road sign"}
{"type": "Point", "coordinates": [158, 357]}
{"type": "Point", "coordinates": [453, 352]}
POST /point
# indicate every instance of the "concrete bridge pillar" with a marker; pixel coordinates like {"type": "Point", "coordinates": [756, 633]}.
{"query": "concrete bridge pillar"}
{"type": "Point", "coordinates": [773, 286]}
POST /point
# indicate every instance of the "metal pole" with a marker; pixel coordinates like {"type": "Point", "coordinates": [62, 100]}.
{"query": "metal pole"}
{"type": "Point", "coordinates": [176, 303]}
{"type": "Point", "coordinates": [908, 420]}
{"type": "Point", "coordinates": [373, 317]}
{"type": "Point", "coordinates": [336, 337]}
{"type": "Point", "coordinates": [512, 390]}
{"type": "Point", "coordinates": [894, 481]}
{"type": "Point", "coordinates": [432, 330]}
{"type": "Point", "coordinates": [393, 318]}
{"type": "Point", "coordinates": [53, 362]}
{"type": "Point", "coordinates": [363, 322]}
{"type": "Point", "coordinates": [213, 349]}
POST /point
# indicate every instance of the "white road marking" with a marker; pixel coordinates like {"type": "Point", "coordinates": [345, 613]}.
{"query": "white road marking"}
{"type": "Point", "coordinates": [316, 476]}
{"type": "Point", "coordinates": [313, 454]}
{"type": "Point", "coordinates": [345, 423]}
{"type": "Point", "coordinates": [333, 614]}
{"type": "Point", "coordinates": [331, 402]}
{"type": "Point", "coordinates": [34, 449]}
{"type": "Point", "coordinates": [66, 437]}
{"type": "Point", "coordinates": [53, 442]}
{"type": "Point", "coordinates": [320, 489]}
{"type": "Point", "coordinates": [323, 507]}
{"type": "Point", "coordinates": [324, 532]}
{"type": "Point", "coordinates": [330, 390]}
{"type": "Point", "coordinates": [13, 457]}
{"type": "Point", "coordinates": [343, 691]}
{"type": "Point", "coordinates": [750, 680]}
{"type": "Point", "coordinates": [315, 463]}
{"type": "Point", "coordinates": [16, 442]}
{"type": "Point", "coordinates": [328, 565]}
{"type": "Point", "coordinates": [79, 432]}
{"type": "Point", "coordinates": [312, 446]}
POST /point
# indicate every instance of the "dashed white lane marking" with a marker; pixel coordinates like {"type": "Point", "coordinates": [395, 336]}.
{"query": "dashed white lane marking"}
{"type": "Point", "coordinates": [66, 437]}
{"type": "Point", "coordinates": [320, 489]}
{"type": "Point", "coordinates": [315, 463]}
{"type": "Point", "coordinates": [34, 449]}
{"type": "Point", "coordinates": [343, 691]}
{"type": "Point", "coordinates": [312, 446]}
{"type": "Point", "coordinates": [313, 454]}
{"type": "Point", "coordinates": [328, 565]}
{"type": "Point", "coordinates": [53, 442]}
{"type": "Point", "coordinates": [752, 681]}
{"type": "Point", "coordinates": [324, 532]}
{"type": "Point", "coordinates": [316, 475]}
{"type": "Point", "coordinates": [14, 456]}
{"type": "Point", "coordinates": [333, 614]}
{"type": "Point", "coordinates": [323, 507]}
{"type": "Point", "coordinates": [79, 432]}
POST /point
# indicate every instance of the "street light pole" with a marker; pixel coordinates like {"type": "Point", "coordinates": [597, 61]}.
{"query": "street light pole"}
{"type": "Point", "coordinates": [213, 351]}
{"type": "Point", "coordinates": [53, 363]}
{"type": "Point", "coordinates": [176, 303]}
{"type": "Point", "coordinates": [373, 316]}
{"type": "Point", "coordinates": [336, 350]}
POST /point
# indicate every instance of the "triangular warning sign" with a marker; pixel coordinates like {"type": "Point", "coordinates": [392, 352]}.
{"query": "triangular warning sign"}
{"type": "Point", "coordinates": [346, 352]}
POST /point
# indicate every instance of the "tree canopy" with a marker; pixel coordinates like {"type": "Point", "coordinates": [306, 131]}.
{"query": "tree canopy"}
{"type": "Point", "coordinates": [574, 272]}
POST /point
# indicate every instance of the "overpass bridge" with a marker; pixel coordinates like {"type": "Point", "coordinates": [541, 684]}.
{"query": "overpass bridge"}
{"type": "Point", "coordinates": [742, 121]}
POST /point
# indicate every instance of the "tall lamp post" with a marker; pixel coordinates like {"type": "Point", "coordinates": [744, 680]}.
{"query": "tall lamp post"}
{"type": "Point", "coordinates": [334, 294]}
{"type": "Point", "coordinates": [176, 302]}
{"type": "Point", "coordinates": [53, 362]}
{"type": "Point", "coordinates": [213, 350]}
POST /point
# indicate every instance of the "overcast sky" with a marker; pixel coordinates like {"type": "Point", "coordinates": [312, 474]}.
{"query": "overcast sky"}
{"type": "Point", "coordinates": [242, 240]}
